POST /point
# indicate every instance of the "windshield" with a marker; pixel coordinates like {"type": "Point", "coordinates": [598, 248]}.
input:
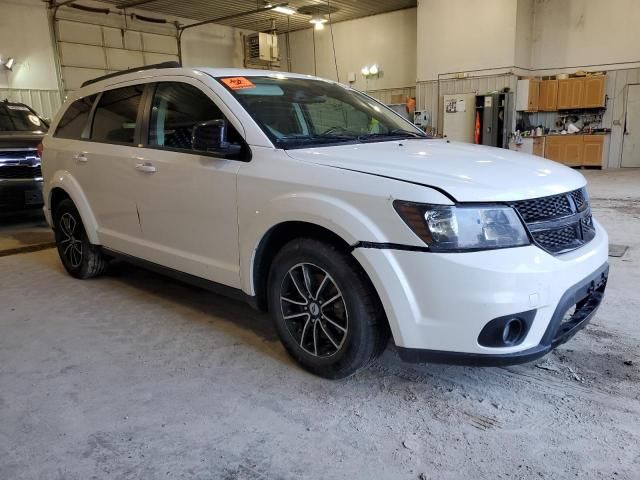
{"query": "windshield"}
{"type": "Point", "coordinates": [300, 112]}
{"type": "Point", "coordinates": [18, 118]}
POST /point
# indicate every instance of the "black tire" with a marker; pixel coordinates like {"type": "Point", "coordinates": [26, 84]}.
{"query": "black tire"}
{"type": "Point", "coordinates": [79, 257]}
{"type": "Point", "coordinates": [360, 315]}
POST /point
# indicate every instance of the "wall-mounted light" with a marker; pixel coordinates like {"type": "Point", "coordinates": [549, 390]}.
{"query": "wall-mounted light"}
{"type": "Point", "coordinates": [371, 71]}
{"type": "Point", "coordinates": [8, 63]}
{"type": "Point", "coordinates": [318, 21]}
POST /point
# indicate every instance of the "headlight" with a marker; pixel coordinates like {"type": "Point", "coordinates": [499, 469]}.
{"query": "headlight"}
{"type": "Point", "coordinates": [461, 228]}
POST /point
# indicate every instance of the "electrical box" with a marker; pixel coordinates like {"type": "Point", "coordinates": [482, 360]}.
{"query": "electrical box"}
{"type": "Point", "coordinates": [263, 47]}
{"type": "Point", "coordinates": [421, 118]}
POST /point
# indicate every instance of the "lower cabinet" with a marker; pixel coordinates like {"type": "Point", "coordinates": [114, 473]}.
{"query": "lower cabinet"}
{"type": "Point", "coordinates": [593, 147]}
{"type": "Point", "coordinates": [575, 150]}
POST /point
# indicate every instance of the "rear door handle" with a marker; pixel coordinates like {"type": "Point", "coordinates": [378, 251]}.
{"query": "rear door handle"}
{"type": "Point", "coordinates": [146, 167]}
{"type": "Point", "coordinates": [81, 157]}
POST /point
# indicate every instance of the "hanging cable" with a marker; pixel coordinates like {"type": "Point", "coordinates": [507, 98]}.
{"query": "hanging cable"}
{"type": "Point", "coordinates": [333, 43]}
{"type": "Point", "coordinates": [315, 66]}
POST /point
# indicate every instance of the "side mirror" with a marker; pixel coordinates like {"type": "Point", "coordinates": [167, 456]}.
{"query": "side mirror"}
{"type": "Point", "coordinates": [211, 137]}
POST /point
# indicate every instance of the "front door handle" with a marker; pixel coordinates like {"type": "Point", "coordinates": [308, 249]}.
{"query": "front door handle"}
{"type": "Point", "coordinates": [146, 167]}
{"type": "Point", "coordinates": [81, 157]}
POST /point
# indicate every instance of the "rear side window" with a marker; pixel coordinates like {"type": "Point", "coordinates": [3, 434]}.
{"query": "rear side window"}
{"type": "Point", "coordinates": [116, 114]}
{"type": "Point", "coordinates": [75, 119]}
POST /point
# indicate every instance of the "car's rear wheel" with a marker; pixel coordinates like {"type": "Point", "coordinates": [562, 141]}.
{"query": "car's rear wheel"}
{"type": "Point", "coordinates": [324, 308]}
{"type": "Point", "coordinates": [79, 257]}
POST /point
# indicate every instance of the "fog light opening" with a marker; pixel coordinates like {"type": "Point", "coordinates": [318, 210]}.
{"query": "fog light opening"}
{"type": "Point", "coordinates": [512, 331]}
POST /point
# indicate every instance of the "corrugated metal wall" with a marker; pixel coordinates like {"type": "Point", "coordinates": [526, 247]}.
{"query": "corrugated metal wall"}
{"type": "Point", "coordinates": [45, 102]}
{"type": "Point", "coordinates": [384, 96]}
{"type": "Point", "coordinates": [427, 92]}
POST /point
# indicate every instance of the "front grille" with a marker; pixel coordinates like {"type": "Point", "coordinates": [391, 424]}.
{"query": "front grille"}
{"type": "Point", "coordinates": [559, 223]}
{"type": "Point", "coordinates": [20, 171]}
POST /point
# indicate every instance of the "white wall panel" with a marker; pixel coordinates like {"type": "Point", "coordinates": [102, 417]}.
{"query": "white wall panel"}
{"type": "Point", "coordinates": [119, 59]}
{"type": "Point", "coordinates": [132, 40]}
{"type": "Point", "coordinates": [74, 77]}
{"type": "Point", "coordinates": [159, 44]}
{"type": "Point", "coordinates": [151, 58]}
{"type": "Point", "coordinates": [75, 32]}
{"type": "Point", "coordinates": [112, 37]}
{"type": "Point", "coordinates": [87, 56]}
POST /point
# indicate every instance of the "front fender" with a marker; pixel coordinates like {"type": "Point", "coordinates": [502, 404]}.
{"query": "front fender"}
{"type": "Point", "coordinates": [344, 219]}
{"type": "Point", "coordinates": [64, 180]}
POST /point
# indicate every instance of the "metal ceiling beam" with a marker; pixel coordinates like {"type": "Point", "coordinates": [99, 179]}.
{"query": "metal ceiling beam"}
{"type": "Point", "coordinates": [133, 3]}
{"type": "Point", "coordinates": [53, 4]}
{"type": "Point", "coordinates": [235, 15]}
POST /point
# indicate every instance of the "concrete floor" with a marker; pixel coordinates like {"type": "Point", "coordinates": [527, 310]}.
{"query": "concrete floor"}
{"type": "Point", "coordinates": [24, 233]}
{"type": "Point", "coordinates": [136, 376]}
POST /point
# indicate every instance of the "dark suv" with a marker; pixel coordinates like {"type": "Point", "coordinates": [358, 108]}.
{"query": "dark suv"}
{"type": "Point", "coordinates": [21, 131]}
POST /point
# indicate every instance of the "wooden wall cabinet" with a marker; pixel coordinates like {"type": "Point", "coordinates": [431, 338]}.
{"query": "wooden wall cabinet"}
{"type": "Point", "coordinates": [584, 92]}
{"type": "Point", "coordinates": [593, 92]}
{"type": "Point", "coordinates": [548, 98]}
{"type": "Point", "coordinates": [527, 95]}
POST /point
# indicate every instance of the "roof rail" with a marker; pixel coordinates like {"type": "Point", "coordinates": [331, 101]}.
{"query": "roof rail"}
{"type": "Point", "coordinates": [131, 70]}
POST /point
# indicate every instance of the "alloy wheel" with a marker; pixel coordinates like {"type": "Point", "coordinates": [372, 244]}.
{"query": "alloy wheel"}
{"type": "Point", "coordinates": [70, 245]}
{"type": "Point", "coordinates": [314, 310]}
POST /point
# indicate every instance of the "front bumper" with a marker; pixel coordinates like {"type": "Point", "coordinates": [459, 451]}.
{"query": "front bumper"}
{"type": "Point", "coordinates": [18, 194]}
{"type": "Point", "coordinates": [437, 304]}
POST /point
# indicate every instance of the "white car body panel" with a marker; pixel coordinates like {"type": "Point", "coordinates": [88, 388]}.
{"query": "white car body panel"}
{"type": "Point", "coordinates": [208, 216]}
{"type": "Point", "coordinates": [470, 173]}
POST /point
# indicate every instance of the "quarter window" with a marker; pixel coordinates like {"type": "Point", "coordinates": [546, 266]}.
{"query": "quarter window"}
{"type": "Point", "coordinates": [74, 120]}
{"type": "Point", "coordinates": [177, 108]}
{"type": "Point", "coordinates": [116, 114]}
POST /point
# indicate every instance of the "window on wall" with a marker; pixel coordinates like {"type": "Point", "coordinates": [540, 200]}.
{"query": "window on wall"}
{"type": "Point", "coordinates": [74, 120]}
{"type": "Point", "coordinates": [177, 108]}
{"type": "Point", "coordinates": [116, 115]}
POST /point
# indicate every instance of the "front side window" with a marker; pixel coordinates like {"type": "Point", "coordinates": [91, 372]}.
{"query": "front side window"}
{"type": "Point", "coordinates": [300, 112]}
{"type": "Point", "coordinates": [19, 118]}
{"type": "Point", "coordinates": [116, 114]}
{"type": "Point", "coordinates": [178, 110]}
{"type": "Point", "coordinates": [74, 120]}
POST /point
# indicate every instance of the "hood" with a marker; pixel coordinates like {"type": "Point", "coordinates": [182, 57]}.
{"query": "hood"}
{"type": "Point", "coordinates": [468, 173]}
{"type": "Point", "coordinates": [20, 139]}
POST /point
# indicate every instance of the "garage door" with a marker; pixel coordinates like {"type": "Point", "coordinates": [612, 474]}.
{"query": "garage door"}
{"type": "Point", "coordinates": [89, 50]}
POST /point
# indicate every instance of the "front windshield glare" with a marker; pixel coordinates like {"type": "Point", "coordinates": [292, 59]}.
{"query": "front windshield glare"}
{"type": "Point", "coordinates": [297, 112]}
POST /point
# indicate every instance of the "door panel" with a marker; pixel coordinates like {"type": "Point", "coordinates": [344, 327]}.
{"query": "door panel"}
{"type": "Point", "coordinates": [104, 167]}
{"type": "Point", "coordinates": [187, 198]}
{"type": "Point", "coordinates": [631, 138]}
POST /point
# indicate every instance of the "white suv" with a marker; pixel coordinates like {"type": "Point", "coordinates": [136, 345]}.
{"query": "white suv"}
{"type": "Point", "coordinates": [316, 203]}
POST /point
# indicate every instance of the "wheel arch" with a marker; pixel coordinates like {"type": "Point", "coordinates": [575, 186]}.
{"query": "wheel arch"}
{"type": "Point", "coordinates": [278, 236]}
{"type": "Point", "coordinates": [65, 186]}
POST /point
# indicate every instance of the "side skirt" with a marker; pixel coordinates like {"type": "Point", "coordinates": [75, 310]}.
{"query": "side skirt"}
{"type": "Point", "coordinates": [210, 286]}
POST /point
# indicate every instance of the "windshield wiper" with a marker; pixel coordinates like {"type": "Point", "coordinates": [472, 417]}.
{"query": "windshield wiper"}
{"type": "Point", "coordinates": [398, 133]}
{"type": "Point", "coordinates": [312, 139]}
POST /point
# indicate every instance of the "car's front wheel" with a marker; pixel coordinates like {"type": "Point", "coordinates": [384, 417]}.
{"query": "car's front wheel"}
{"type": "Point", "coordinates": [79, 257]}
{"type": "Point", "coordinates": [325, 310]}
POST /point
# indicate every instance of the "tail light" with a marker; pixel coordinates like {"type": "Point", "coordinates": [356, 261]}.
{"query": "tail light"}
{"type": "Point", "coordinates": [40, 149]}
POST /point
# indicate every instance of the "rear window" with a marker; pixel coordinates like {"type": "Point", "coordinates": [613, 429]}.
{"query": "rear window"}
{"type": "Point", "coordinates": [116, 114]}
{"type": "Point", "coordinates": [75, 119]}
{"type": "Point", "coordinates": [19, 118]}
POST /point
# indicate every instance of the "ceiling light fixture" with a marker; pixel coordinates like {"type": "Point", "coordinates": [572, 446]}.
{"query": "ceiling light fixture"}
{"type": "Point", "coordinates": [283, 9]}
{"type": "Point", "coordinates": [318, 20]}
